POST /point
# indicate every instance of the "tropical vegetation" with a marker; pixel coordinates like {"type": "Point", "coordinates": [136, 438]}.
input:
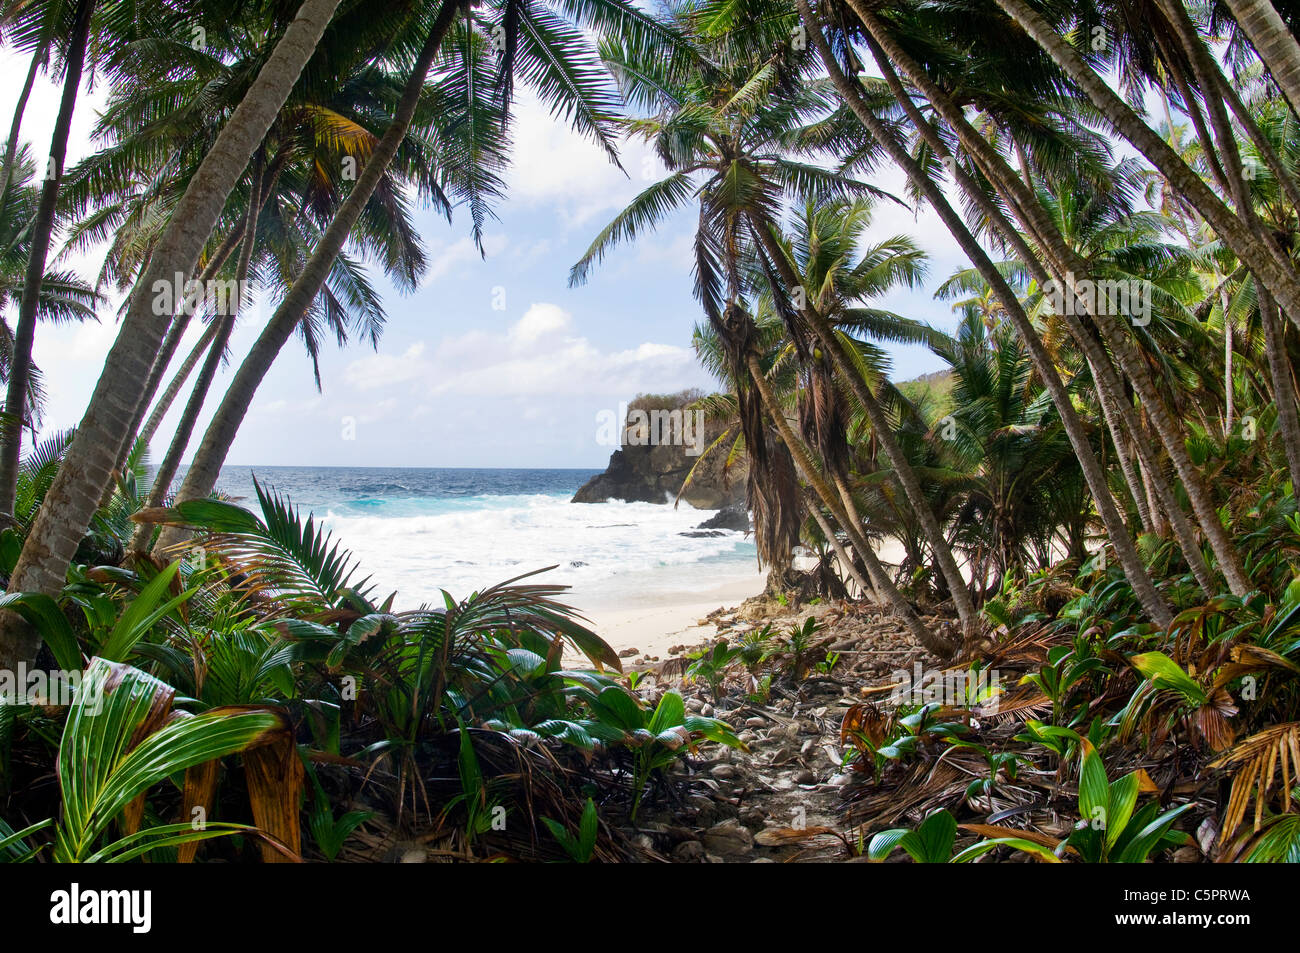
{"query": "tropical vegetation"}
{"type": "Point", "coordinates": [1098, 494]}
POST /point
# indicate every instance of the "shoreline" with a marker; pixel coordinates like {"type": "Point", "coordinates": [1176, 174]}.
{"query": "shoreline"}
{"type": "Point", "coordinates": [674, 618]}
{"type": "Point", "coordinates": [667, 619]}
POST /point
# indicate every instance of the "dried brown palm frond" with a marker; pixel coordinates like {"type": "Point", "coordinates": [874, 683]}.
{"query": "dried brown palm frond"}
{"type": "Point", "coordinates": [865, 720]}
{"type": "Point", "coordinates": [922, 788]}
{"type": "Point", "coordinates": [1255, 763]}
{"type": "Point", "coordinates": [673, 668]}
{"type": "Point", "coordinates": [1028, 647]}
{"type": "Point", "coordinates": [1026, 703]}
{"type": "Point", "coordinates": [995, 831]}
{"type": "Point", "coordinates": [1247, 659]}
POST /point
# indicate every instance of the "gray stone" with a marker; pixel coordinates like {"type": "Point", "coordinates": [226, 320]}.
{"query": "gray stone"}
{"type": "Point", "coordinates": [728, 839]}
{"type": "Point", "coordinates": [688, 852]}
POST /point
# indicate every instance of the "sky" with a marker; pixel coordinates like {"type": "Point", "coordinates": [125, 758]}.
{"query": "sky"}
{"type": "Point", "coordinates": [491, 362]}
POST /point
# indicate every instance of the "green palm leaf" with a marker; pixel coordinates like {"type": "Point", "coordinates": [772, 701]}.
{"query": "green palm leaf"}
{"type": "Point", "coordinates": [101, 768]}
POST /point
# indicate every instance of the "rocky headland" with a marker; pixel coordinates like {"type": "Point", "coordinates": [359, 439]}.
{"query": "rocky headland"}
{"type": "Point", "coordinates": [663, 441]}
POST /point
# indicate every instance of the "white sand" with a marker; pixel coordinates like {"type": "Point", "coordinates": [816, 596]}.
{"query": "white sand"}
{"type": "Point", "coordinates": [657, 622]}
{"type": "Point", "coordinates": [666, 619]}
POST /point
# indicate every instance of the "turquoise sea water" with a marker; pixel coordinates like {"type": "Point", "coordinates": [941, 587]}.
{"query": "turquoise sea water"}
{"type": "Point", "coordinates": [418, 530]}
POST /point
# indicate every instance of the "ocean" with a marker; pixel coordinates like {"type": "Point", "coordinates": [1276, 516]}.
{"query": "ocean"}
{"type": "Point", "coordinates": [420, 530]}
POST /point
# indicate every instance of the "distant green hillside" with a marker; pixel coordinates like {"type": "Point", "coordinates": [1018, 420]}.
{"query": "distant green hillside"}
{"type": "Point", "coordinates": [934, 389]}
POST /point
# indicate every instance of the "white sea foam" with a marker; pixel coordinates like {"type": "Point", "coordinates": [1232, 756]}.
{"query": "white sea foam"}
{"type": "Point", "coordinates": [606, 551]}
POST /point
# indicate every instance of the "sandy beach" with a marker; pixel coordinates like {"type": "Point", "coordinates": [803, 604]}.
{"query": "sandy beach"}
{"type": "Point", "coordinates": [666, 620]}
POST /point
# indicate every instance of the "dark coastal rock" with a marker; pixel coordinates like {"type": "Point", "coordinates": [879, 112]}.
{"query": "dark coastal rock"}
{"type": "Point", "coordinates": [734, 516]}
{"type": "Point", "coordinates": [646, 471]}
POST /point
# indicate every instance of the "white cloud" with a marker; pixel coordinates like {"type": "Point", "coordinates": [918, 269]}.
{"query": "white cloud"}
{"type": "Point", "coordinates": [445, 257]}
{"type": "Point", "coordinates": [537, 357]}
{"type": "Point", "coordinates": [293, 408]}
{"type": "Point", "coordinates": [553, 165]}
{"type": "Point", "coordinates": [382, 370]}
{"type": "Point", "coordinates": [539, 321]}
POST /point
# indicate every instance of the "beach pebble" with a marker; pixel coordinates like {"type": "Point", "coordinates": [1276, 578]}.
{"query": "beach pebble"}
{"type": "Point", "coordinates": [694, 704]}
{"type": "Point", "coordinates": [755, 722]}
{"type": "Point", "coordinates": [700, 802]}
{"type": "Point", "coordinates": [728, 839]}
{"type": "Point", "coordinates": [748, 737]}
{"type": "Point", "coordinates": [688, 852]}
{"type": "Point", "coordinates": [678, 834]}
{"type": "Point", "coordinates": [805, 777]}
{"type": "Point", "coordinates": [707, 711]}
{"type": "Point", "coordinates": [724, 772]}
{"type": "Point", "coordinates": [786, 753]}
{"type": "Point", "coordinates": [628, 653]}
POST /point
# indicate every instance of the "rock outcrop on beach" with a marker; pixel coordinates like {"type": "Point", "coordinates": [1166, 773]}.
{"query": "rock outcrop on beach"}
{"type": "Point", "coordinates": [661, 442]}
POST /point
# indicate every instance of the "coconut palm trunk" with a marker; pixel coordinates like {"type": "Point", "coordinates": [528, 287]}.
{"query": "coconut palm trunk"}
{"type": "Point", "coordinates": [20, 367]}
{"type": "Point", "coordinates": [1274, 333]}
{"type": "Point", "coordinates": [897, 601]}
{"type": "Point", "coordinates": [71, 500]}
{"type": "Point", "coordinates": [1160, 505]}
{"type": "Point", "coordinates": [222, 326]}
{"type": "Point", "coordinates": [835, 347]}
{"type": "Point", "coordinates": [1135, 489]}
{"type": "Point", "coordinates": [1274, 43]}
{"type": "Point", "coordinates": [1279, 369]}
{"type": "Point", "coordinates": [174, 335]}
{"type": "Point", "coordinates": [1273, 269]}
{"type": "Point", "coordinates": [1148, 597]}
{"type": "Point", "coordinates": [11, 145]}
{"type": "Point", "coordinates": [1212, 81]}
{"type": "Point", "coordinates": [202, 474]}
{"type": "Point", "coordinates": [168, 396]}
{"type": "Point", "coordinates": [832, 537]}
{"type": "Point", "coordinates": [1072, 270]}
{"type": "Point", "coordinates": [1229, 396]}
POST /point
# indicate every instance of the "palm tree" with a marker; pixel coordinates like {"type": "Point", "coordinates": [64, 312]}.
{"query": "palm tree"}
{"type": "Point", "coordinates": [733, 129]}
{"type": "Point", "coordinates": [1070, 268]}
{"type": "Point", "coordinates": [771, 482]}
{"type": "Point", "coordinates": [1127, 554]}
{"type": "Point", "coordinates": [1274, 42]}
{"type": "Point", "coordinates": [63, 295]}
{"type": "Point", "coordinates": [42, 231]}
{"type": "Point", "coordinates": [73, 497]}
{"type": "Point", "coordinates": [1261, 257]}
{"type": "Point", "coordinates": [159, 131]}
{"type": "Point", "coordinates": [324, 128]}
{"type": "Point", "coordinates": [1010, 445]}
{"type": "Point", "coordinates": [842, 276]}
{"type": "Point", "coordinates": [39, 51]}
{"type": "Point", "coordinates": [551, 56]}
{"type": "Point", "coordinates": [720, 132]}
